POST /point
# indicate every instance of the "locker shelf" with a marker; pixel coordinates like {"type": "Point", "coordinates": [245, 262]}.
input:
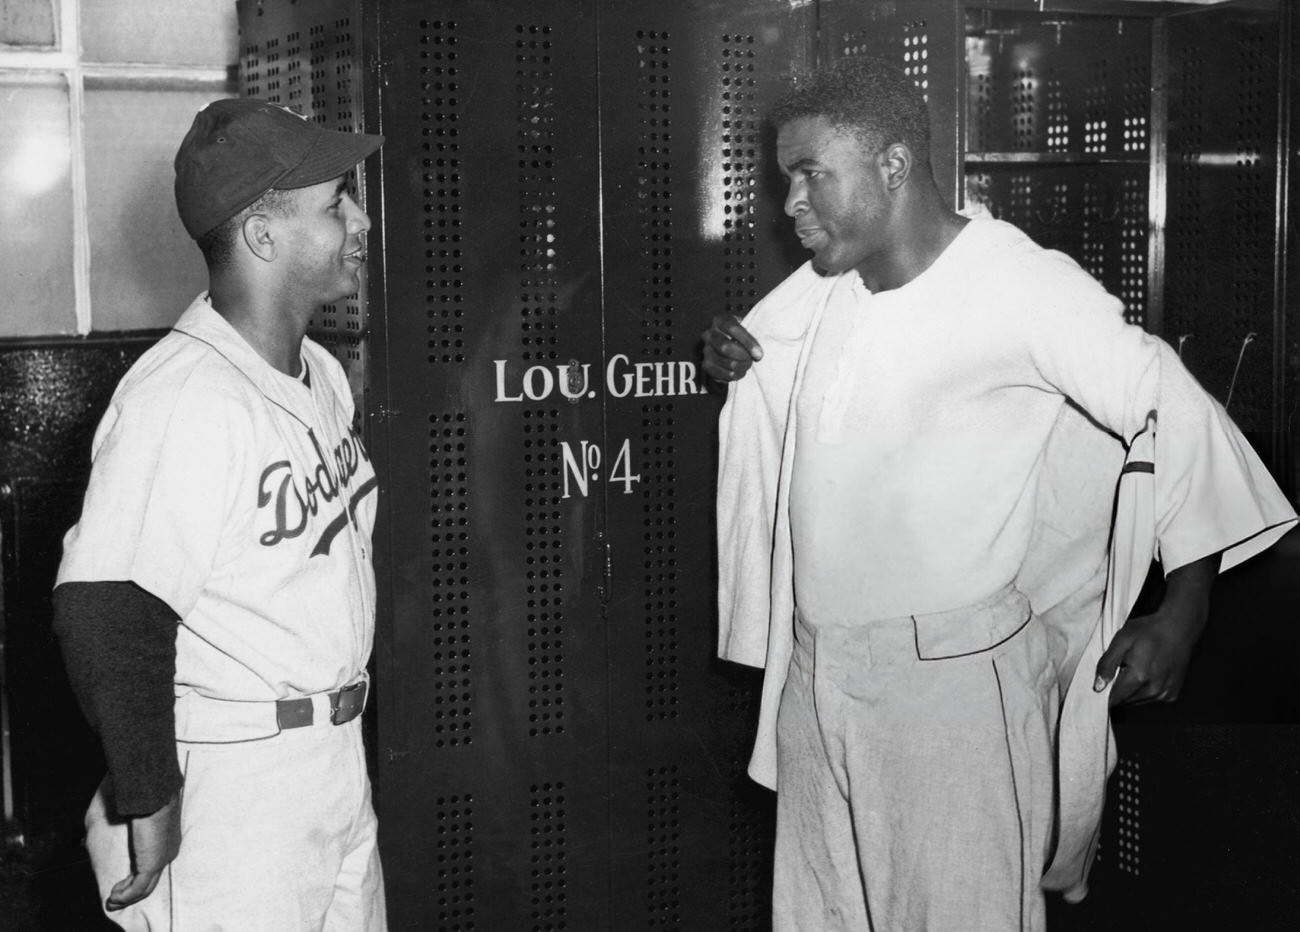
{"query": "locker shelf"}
{"type": "Point", "coordinates": [1056, 158]}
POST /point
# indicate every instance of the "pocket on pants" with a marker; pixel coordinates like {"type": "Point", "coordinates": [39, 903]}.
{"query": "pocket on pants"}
{"type": "Point", "coordinates": [974, 629]}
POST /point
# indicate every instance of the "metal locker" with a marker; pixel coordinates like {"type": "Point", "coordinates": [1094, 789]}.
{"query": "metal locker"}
{"type": "Point", "coordinates": [493, 711]}
{"type": "Point", "coordinates": [591, 772]}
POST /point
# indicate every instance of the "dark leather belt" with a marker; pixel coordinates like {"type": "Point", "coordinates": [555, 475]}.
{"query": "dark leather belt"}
{"type": "Point", "coordinates": [345, 705]}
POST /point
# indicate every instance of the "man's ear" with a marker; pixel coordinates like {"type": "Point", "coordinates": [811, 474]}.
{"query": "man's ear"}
{"type": "Point", "coordinates": [259, 236]}
{"type": "Point", "coordinates": [897, 162]}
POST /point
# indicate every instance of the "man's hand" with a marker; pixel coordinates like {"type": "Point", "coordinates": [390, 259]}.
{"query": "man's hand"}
{"type": "Point", "coordinates": [1149, 656]}
{"type": "Point", "coordinates": [155, 842]}
{"type": "Point", "coordinates": [729, 350]}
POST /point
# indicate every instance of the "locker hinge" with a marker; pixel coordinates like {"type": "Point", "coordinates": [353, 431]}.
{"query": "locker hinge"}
{"type": "Point", "coordinates": [607, 569]}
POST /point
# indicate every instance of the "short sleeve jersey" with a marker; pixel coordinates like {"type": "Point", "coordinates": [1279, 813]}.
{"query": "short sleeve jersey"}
{"type": "Point", "coordinates": [244, 499]}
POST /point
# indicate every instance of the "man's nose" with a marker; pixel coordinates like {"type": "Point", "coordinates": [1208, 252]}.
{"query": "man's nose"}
{"type": "Point", "coordinates": [358, 219]}
{"type": "Point", "coordinates": [796, 201]}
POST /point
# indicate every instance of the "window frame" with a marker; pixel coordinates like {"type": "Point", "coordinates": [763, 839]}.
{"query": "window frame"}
{"type": "Point", "coordinates": [65, 59]}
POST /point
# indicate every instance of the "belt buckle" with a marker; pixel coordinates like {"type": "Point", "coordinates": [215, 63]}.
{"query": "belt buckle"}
{"type": "Point", "coordinates": [347, 703]}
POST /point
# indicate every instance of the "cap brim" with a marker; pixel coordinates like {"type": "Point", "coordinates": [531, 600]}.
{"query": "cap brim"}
{"type": "Point", "coordinates": [332, 155]}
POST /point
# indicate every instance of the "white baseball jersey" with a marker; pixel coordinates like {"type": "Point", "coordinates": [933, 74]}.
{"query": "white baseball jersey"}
{"type": "Point", "coordinates": [245, 500]}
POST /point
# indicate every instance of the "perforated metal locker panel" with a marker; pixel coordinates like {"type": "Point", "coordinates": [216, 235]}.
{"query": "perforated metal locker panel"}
{"type": "Point", "coordinates": [493, 710]}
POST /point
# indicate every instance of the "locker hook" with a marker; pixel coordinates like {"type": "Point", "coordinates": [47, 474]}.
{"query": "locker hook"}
{"type": "Point", "coordinates": [1054, 219]}
{"type": "Point", "coordinates": [1098, 220]}
{"type": "Point", "coordinates": [1250, 338]}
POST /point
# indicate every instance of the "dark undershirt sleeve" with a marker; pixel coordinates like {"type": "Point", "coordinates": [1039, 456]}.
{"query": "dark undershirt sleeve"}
{"type": "Point", "coordinates": [119, 648]}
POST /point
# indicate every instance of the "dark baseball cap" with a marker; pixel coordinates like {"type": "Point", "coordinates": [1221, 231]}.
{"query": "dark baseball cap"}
{"type": "Point", "coordinates": [240, 148]}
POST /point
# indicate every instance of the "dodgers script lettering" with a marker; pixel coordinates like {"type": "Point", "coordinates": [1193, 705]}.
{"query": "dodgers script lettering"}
{"type": "Point", "coordinates": [293, 496]}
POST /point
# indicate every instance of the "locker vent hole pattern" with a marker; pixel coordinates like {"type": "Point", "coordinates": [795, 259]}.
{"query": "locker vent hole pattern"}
{"type": "Point", "coordinates": [909, 47]}
{"type": "Point", "coordinates": [1137, 104]}
{"type": "Point", "coordinates": [443, 199]}
{"type": "Point", "coordinates": [1133, 248]}
{"type": "Point", "coordinates": [535, 112]}
{"type": "Point", "coordinates": [543, 546]}
{"type": "Point", "coordinates": [1125, 847]}
{"type": "Point", "coordinates": [741, 122]}
{"type": "Point", "coordinates": [748, 849]}
{"type": "Point", "coordinates": [450, 632]}
{"type": "Point", "coordinates": [1058, 115]}
{"type": "Point", "coordinates": [548, 857]}
{"type": "Point", "coordinates": [655, 459]}
{"type": "Point", "coordinates": [663, 846]}
{"type": "Point", "coordinates": [454, 859]}
{"type": "Point", "coordinates": [659, 541]}
{"type": "Point", "coordinates": [1096, 127]}
{"type": "Point", "coordinates": [1022, 111]}
{"type": "Point", "coordinates": [538, 310]}
{"type": "Point", "coordinates": [654, 184]}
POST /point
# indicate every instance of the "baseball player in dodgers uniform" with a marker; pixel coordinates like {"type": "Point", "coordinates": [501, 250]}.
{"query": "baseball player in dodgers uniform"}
{"type": "Point", "coordinates": [216, 598]}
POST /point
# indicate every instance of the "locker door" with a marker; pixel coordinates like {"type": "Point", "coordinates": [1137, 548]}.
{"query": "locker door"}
{"type": "Point", "coordinates": [491, 663]}
{"type": "Point", "coordinates": [569, 192]}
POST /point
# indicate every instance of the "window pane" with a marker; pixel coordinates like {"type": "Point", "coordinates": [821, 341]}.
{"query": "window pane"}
{"type": "Point", "coordinates": [186, 32]}
{"type": "Point", "coordinates": [27, 22]}
{"type": "Point", "coordinates": [144, 268]}
{"type": "Point", "coordinates": [36, 209]}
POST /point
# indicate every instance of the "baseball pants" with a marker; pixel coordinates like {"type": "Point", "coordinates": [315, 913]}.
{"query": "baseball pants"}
{"type": "Point", "coordinates": [915, 774]}
{"type": "Point", "coordinates": [277, 834]}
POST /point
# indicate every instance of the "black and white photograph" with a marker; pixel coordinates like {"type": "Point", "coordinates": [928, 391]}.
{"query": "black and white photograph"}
{"type": "Point", "coordinates": [625, 466]}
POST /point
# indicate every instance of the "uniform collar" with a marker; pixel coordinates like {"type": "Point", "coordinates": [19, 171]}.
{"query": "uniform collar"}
{"type": "Point", "coordinates": [201, 322]}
